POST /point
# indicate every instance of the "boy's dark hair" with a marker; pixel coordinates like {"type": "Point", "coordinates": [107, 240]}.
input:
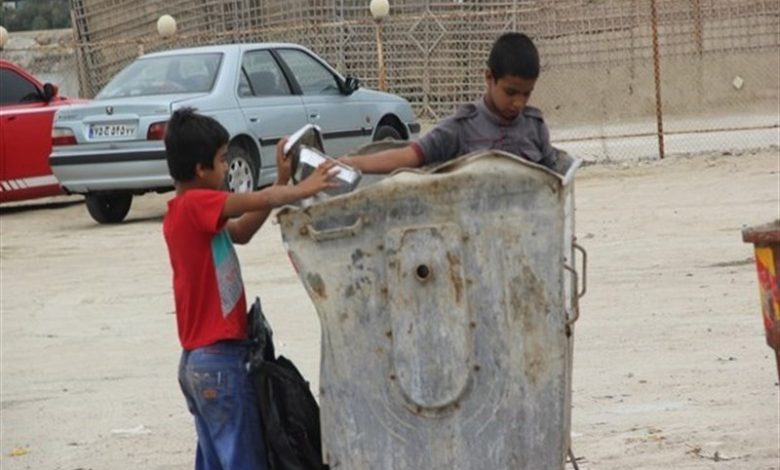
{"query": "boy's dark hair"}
{"type": "Point", "coordinates": [514, 54]}
{"type": "Point", "coordinates": [192, 138]}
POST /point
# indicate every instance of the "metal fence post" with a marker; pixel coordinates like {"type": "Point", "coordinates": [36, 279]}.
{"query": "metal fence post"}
{"type": "Point", "coordinates": [380, 55]}
{"type": "Point", "coordinates": [697, 27]}
{"type": "Point", "coordinates": [657, 73]}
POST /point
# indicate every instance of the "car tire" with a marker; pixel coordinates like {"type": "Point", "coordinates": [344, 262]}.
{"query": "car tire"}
{"type": "Point", "coordinates": [385, 132]}
{"type": "Point", "coordinates": [109, 208]}
{"type": "Point", "coordinates": [241, 176]}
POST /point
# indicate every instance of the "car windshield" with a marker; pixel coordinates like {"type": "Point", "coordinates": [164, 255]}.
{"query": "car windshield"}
{"type": "Point", "coordinates": [187, 73]}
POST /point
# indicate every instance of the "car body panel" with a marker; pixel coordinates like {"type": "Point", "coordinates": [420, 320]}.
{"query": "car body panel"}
{"type": "Point", "coordinates": [269, 119]}
{"type": "Point", "coordinates": [133, 164]}
{"type": "Point", "coordinates": [139, 170]}
{"type": "Point", "coordinates": [25, 142]}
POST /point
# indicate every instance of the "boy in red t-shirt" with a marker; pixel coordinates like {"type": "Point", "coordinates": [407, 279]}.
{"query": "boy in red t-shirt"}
{"type": "Point", "coordinates": [202, 223]}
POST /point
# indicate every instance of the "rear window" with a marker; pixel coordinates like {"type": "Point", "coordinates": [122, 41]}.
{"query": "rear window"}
{"type": "Point", "coordinates": [190, 73]}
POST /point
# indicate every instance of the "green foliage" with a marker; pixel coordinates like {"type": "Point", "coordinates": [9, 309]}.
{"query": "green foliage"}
{"type": "Point", "coordinates": [36, 14]}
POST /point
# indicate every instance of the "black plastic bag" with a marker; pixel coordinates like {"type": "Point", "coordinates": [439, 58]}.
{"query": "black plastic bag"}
{"type": "Point", "coordinates": [290, 414]}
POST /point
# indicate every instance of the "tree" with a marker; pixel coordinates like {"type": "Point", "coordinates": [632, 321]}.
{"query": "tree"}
{"type": "Point", "coordinates": [36, 14]}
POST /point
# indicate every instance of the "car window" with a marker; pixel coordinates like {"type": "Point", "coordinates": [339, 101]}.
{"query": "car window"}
{"type": "Point", "coordinates": [313, 77]}
{"type": "Point", "coordinates": [186, 73]}
{"type": "Point", "coordinates": [261, 76]}
{"type": "Point", "coordinates": [17, 89]}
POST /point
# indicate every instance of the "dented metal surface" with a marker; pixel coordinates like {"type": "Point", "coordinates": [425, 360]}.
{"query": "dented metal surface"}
{"type": "Point", "coordinates": [445, 311]}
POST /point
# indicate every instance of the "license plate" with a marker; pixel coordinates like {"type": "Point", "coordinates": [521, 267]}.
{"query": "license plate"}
{"type": "Point", "coordinates": [111, 131]}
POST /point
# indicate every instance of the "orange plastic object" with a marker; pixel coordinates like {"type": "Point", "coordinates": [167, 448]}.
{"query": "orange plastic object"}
{"type": "Point", "coordinates": [766, 241]}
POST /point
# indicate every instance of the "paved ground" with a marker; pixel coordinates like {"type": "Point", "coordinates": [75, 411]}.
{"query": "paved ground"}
{"type": "Point", "coordinates": [671, 369]}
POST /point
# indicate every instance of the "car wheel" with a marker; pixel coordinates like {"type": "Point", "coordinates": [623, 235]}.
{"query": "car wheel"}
{"type": "Point", "coordinates": [109, 208]}
{"type": "Point", "coordinates": [242, 174]}
{"type": "Point", "coordinates": [385, 132]}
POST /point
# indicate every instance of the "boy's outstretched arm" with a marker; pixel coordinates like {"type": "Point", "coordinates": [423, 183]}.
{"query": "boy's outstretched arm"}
{"type": "Point", "coordinates": [385, 161]}
{"type": "Point", "coordinates": [254, 208]}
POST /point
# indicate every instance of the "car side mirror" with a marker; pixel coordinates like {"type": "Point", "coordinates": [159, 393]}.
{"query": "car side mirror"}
{"type": "Point", "coordinates": [351, 84]}
{"type": "Point", "coordinates": [50, 92]}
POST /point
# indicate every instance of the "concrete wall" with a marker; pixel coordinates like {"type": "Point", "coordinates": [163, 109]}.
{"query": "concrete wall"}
{"type": "Point", "coordinates": [689, 86]}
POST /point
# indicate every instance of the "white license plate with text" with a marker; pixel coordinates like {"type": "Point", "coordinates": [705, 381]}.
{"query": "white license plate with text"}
{"type": "Point", "coordinates": [110, 131]}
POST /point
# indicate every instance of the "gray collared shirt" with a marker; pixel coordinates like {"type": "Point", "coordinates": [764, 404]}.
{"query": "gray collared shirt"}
{"type": "Point", "coordinates": [474, 127]}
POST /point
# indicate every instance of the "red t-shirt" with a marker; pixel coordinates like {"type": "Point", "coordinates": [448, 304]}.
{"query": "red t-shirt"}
{"type": "Point", "coordinates": [207, 284]}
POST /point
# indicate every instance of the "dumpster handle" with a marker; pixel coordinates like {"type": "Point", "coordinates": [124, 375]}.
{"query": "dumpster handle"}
{"type": "Point", "coordinates": [332, 234]}
{"type": "Point", "coordinates": [584, 269]}
{"type": "Point", "coordinates": [576, 298]}
{"type": "Point", "coordinates": [576, 282]}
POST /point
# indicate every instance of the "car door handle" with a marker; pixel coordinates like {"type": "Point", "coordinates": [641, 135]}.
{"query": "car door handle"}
{"type": "Point", "coordinates": [314, 115]}
{"type": "Point", "coordinates": [254, 119]}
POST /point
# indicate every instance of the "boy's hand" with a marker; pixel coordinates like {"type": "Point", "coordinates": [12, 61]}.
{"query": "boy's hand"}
{"type": "Point", "coordinates": [283, 164]}
{"type": "Point", "coordinates": [322, 178]}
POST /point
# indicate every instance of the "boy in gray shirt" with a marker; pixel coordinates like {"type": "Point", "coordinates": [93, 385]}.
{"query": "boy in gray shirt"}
{"type": "Point", "coordinates": [501, 120]}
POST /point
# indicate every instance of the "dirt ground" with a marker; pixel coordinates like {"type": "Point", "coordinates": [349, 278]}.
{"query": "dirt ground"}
{"type": "Point", "coordinates": [671, 366]}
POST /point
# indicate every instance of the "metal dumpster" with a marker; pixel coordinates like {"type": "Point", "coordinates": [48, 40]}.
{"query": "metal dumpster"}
{"type": "Point", "coordinates": [766, 242]}
{"type": "Point", "coordinates": [447, 300]}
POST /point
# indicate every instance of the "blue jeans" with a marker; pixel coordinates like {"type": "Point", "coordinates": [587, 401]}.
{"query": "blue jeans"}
{"type": "Point", "coordinates": [221, 397]}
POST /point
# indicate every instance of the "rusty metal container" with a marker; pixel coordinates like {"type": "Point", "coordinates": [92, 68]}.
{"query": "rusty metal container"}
{"type": "Point", "coordinates": [766, 243]}
{"type": "Point", "coordinates": [447, 300]}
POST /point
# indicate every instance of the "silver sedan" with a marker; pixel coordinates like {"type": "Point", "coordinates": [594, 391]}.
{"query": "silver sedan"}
{"type": "Point", "coordinates": [112, 148]}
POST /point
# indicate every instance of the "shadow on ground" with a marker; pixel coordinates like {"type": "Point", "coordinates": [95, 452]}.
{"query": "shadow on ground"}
{"type": "Point", "coordinates": [15, 208]}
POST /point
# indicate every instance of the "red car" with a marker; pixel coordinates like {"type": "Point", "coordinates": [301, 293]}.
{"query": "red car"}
{"type": "Point", "coordinates": [26, 110]}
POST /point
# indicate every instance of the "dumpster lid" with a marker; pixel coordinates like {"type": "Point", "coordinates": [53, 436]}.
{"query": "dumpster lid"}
{"type": "Point", "coordinates": [759, 234]}
{"type": "Point", "coordinates": [565, 168]}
